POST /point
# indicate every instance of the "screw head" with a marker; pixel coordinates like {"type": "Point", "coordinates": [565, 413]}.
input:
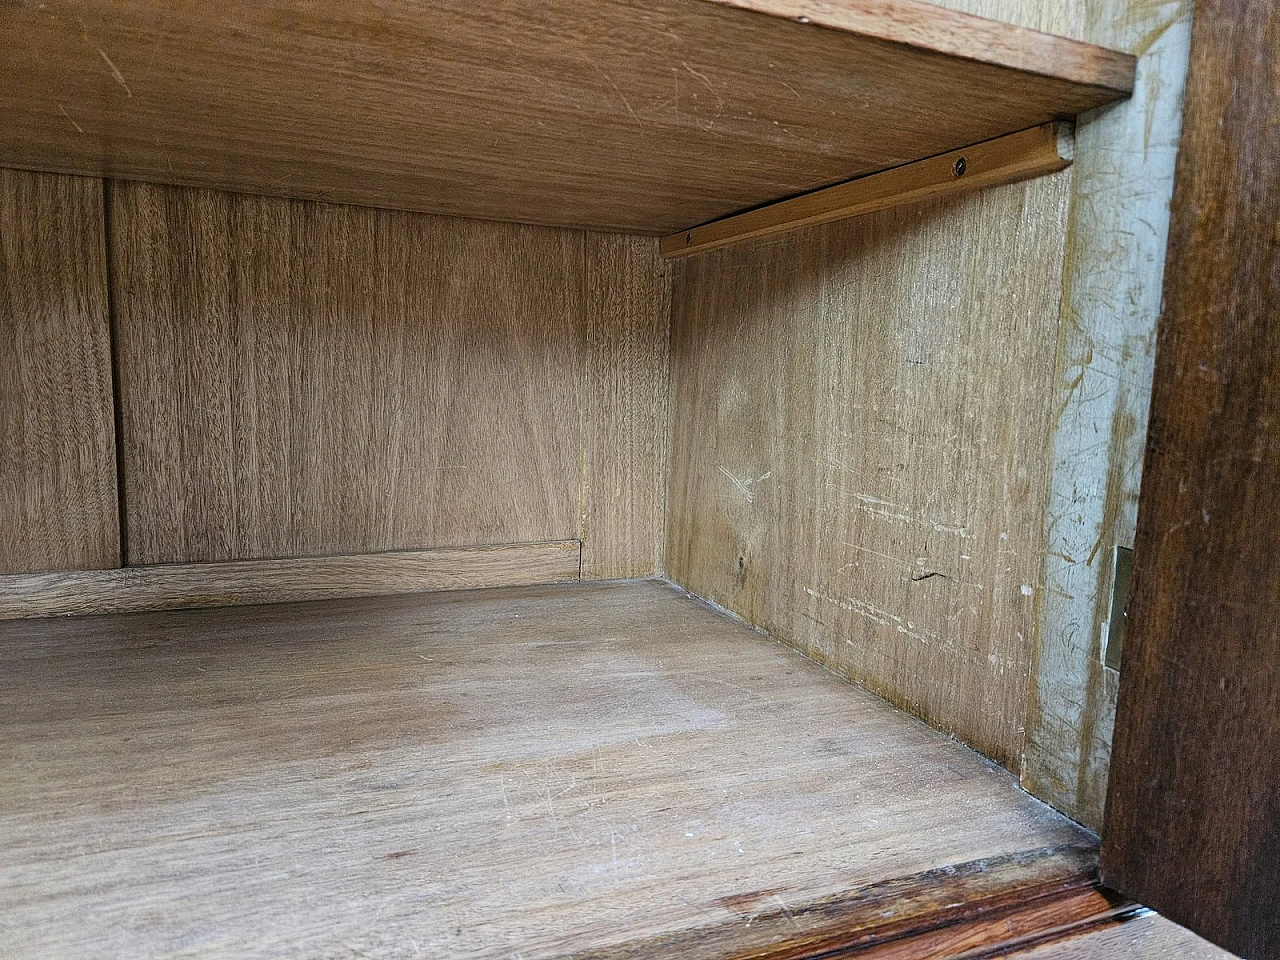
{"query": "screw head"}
{"type": "Point", "coordinates": [961, 166]}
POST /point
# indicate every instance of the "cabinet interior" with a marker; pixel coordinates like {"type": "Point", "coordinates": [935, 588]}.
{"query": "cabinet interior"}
{"type": "Point", "coordinates": [392, 531]}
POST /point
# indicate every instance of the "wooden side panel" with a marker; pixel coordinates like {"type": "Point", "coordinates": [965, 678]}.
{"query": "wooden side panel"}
{"type": "Point", "coordinates": [231, 583]}
{"type": "Point", "coordinates": [624, 484]}
{"type": "Point", "coordinates": [300, 378]}
{"type": "Point", "coordinates": [58, 503]}
{"type": "Point", "coordinates": [860, 433]}
{"type": "Point", "coordinates": [1193, 806]}
{"type": "Point", "coordinates": [1122, 185]}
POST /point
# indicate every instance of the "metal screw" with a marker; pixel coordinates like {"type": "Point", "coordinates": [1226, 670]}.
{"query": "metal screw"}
{"type": "Point", "coordinates": [961, 166]}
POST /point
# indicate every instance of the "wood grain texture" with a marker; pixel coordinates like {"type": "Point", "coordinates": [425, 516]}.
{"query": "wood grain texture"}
{"type": "Point", "coordinates": [1008, 159]}
{"type": "Point", "coordinates": [566, 771]}
{"type": "Point", "coordinates": [300, 378]}
{"type": "Point", "coordinates": [1044, 16]}
{"type": "Point", "coordinates": [58, 503]}
{"type": "Point", "coordinates": [625, 435]}
{"type": "Point", "coordinates": [629, 115]}
{"type": "Point", "coordinates": [239, 582]}
{"type": "Point", "coordinates": [860, 426]}
{"type": "Point", "coordinates": [1151, 937]}
{"type": "Point", "coordinates": [1122, 184]}
{"type": "Point", "coordinates": [955, 913]}
{"type": "Point", "coordinates": [1193, 806]}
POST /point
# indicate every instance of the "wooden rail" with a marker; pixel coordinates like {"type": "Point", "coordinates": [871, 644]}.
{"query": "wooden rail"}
{"type": "Point", "coordinates": [1017, 156]}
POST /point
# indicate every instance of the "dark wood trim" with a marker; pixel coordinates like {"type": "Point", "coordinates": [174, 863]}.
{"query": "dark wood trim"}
{"type": "Point", "coordinates": [1193, 813]}
{"type": "Point", "coordinates": [976, 910]}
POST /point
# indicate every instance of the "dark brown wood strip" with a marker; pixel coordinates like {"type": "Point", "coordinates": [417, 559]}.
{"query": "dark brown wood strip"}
{"type": "Point", "coordinates": [1193, 813]}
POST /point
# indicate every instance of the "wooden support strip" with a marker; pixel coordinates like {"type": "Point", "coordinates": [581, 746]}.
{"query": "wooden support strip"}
{"type": "Point", "coordinates": [1018, 156]}
{"type": "Point", "coordinates": [239, 582]}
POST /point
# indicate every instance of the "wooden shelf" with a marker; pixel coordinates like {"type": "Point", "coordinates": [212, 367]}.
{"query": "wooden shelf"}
{"type": "Point", "coordinates": [647, 116]}
{"type": "Point", "coordinates": [612, 770]}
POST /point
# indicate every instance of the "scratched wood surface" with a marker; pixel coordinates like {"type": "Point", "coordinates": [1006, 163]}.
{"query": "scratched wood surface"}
{"type": "Point", "coordinates": [629, 115]}
{"type": "Point", "coordinates": [300, 378]}
{"type": "Point", "coordinates": [860, 426]}
{"type": "Point", "coordinates": [1116, 236]}
{"type": "Point", "coordinates": [551, 771]}
{"type": "Point", "coordinates": [1151, 937]}
{"type": "Point", "coordinates": [58, 505]}
{"type": "Point", "coordinates": [229, 583]}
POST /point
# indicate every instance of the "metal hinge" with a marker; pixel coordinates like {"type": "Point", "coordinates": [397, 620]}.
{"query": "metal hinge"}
{"type": "Point", "coordinates": [1121, 565]}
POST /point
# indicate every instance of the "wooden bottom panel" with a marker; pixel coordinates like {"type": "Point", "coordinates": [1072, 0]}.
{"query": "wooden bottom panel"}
{"type": "Point", "coordinates": [1149, 937]}
{"type": "Point", "coordinates": [609, 770]}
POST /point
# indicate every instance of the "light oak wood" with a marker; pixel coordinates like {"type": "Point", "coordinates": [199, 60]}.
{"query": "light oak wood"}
{"type": "Point", "coordinates": [592, 770]}
{"type": "Point", "coordinates": [302, 378]}
{"type": "Point", "coordinates": [1150, 937]}
{"type": "Point", "coordinates": [628, 115]}
{"type": "Point", "coordinates": [860, 424]}
{"type": "Point", "coordinates": [58, 503]}
{"type": "Point", "coordinates": [307, 379]}
{"type": "Point", "coordinates": [625, 434]}
{"type": "Point", "coordinates": [1018, 156]}
{"type": "Point", "coordinates": [238, 582]}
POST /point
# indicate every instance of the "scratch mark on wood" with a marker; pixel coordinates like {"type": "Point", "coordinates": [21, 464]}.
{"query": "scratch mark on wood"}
{"type": "Point", "coordinates": [63, 111]}
{"type": "Point", "coordinates": [875, 614]}
{"type": "Point", "coordinates": [115, 72]}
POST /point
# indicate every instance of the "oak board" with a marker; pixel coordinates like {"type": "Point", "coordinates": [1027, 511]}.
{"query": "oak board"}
{"type": "Point", "coordinates": [646, 116]}
{"type": "Point", "coordinates": [58, 503]}
{"type": "Point", "coordinates": [310, 379]}
{"type": "Point", "coordinates": [604, 770]}
{"type": "Point", "coordinates": [175, 586]}
{"type": "Point", "coordinates": [860, 415]}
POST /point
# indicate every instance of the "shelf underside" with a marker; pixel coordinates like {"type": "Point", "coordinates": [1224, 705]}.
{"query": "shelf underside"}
{"type": "Point", "coordinates": [646, 116]}
{"type": "Point", "coordinates": [550, 770]}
